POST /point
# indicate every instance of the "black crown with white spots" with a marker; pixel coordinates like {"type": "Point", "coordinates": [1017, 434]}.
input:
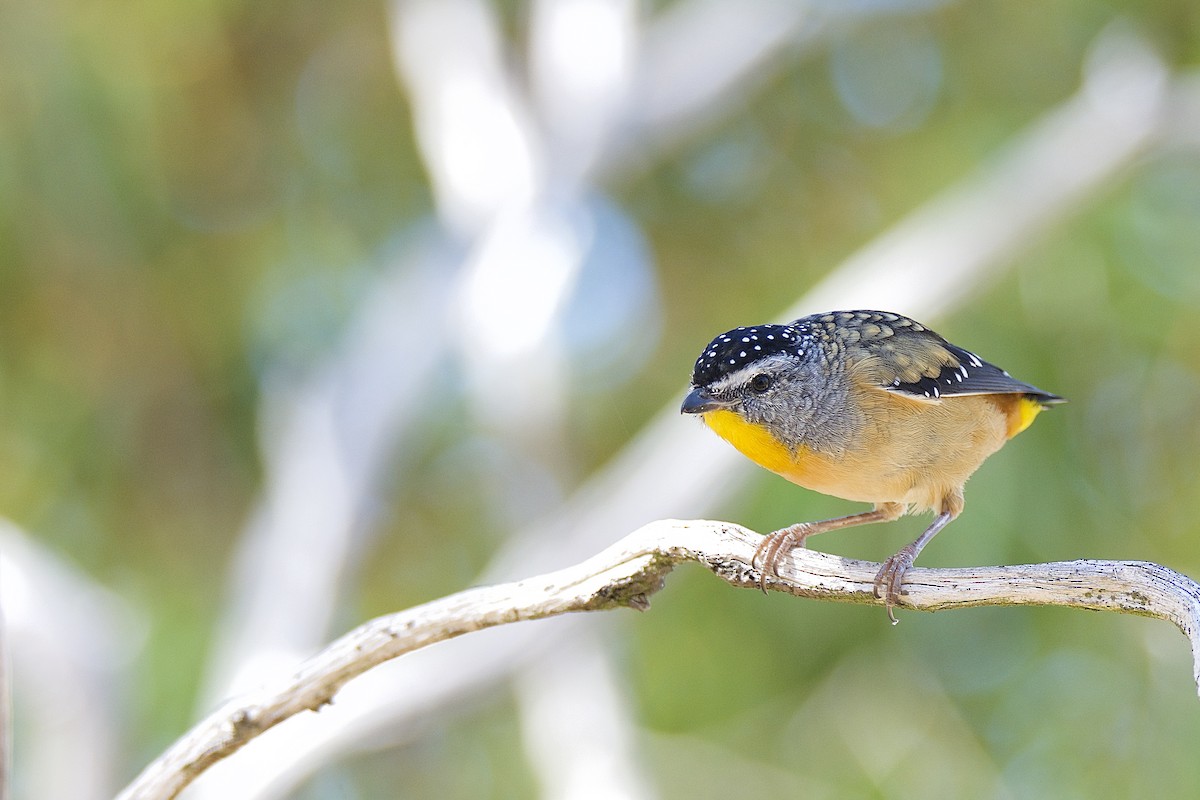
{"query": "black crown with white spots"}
{"type": "Point", "coordinates": [734, 349]}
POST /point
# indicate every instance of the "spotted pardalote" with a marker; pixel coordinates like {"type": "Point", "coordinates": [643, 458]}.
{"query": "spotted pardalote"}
{"type": "Point", "coordinates": [864, 405]}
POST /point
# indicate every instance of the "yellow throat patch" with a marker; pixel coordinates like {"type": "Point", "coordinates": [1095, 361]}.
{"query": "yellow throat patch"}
{"type": "Point", "coordinates": [754, 441]}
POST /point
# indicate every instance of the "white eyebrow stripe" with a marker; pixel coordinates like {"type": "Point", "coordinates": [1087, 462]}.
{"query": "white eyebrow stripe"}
{"type": "Point", "coordinates": [743, 375]}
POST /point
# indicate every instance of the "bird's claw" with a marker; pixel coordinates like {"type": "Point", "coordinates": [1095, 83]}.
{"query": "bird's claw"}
{"type": "Point", "coordinates": [890, 579]}
{"type": "Point", "coordinates": [773, 547]}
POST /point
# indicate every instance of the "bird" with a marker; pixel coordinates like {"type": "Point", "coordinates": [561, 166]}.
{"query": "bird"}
{"type": "Point", "coordinates": [868, 406]}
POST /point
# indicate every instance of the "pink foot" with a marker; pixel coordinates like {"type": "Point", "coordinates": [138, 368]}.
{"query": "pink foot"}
{"type": "Point", "coordinates": [775, 546]}
{"type": "Point", "coordinates": [890, 578]}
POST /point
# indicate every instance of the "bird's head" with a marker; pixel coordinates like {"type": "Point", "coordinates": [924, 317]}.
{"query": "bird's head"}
{"type": "Point", "coordinates": [776, 377]}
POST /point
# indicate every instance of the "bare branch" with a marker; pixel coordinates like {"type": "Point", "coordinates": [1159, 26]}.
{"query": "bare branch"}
{"type": "Point", "coordinates": [626, 574]}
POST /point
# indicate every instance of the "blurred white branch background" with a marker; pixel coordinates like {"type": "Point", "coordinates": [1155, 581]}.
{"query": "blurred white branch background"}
{"type": "Point", "coordinates": [532, 277]}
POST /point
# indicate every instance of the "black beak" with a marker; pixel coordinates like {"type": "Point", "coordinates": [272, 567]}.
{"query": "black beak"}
{"type": "Point", "coordinates": [699, 401]}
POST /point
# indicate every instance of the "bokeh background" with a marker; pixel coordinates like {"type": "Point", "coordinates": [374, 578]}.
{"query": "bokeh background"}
{"type": "Point", "coordinates": [314, 311]}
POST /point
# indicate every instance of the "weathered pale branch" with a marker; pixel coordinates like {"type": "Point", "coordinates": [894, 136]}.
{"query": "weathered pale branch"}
{"type": "Point", "coordinates": [626, 574]}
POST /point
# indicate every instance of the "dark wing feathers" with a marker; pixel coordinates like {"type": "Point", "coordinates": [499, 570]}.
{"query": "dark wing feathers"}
{"type": "Point", "coordinates": [903, 356]}
{"type": "Point", "coordinates": [966, 373]}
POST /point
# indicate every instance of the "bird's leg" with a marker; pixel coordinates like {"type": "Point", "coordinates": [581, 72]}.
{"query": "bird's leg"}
{"type": "Point", "coordinates": [891, 575]}
{"type": "Point", "coordinates": [775, 545]}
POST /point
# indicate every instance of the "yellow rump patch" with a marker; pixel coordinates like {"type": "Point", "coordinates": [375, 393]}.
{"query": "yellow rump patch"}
{"type": "Point", "coordinates": [1027, 408]}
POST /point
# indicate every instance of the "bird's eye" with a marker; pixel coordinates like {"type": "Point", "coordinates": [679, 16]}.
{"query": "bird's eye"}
{"type": "Point", "coordinates": [760, 382]}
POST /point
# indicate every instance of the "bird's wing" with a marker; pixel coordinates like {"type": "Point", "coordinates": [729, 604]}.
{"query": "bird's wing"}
{"type": "Point", "coordinates": [901, 355]}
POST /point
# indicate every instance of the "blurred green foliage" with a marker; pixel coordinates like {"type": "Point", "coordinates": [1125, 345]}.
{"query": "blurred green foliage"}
{"type": "Point", "coordinates": [191, 193]}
